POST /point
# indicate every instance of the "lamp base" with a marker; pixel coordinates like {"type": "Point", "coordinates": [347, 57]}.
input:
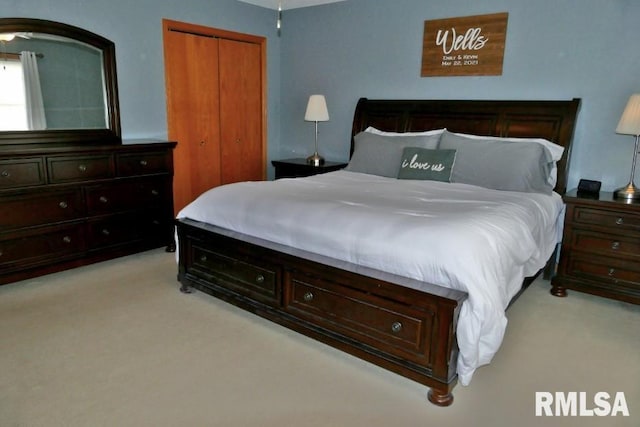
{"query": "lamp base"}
{"type": "Point", "coordinates": [317, 160]}
{"type": "Point", "coordinates": [629, 192]}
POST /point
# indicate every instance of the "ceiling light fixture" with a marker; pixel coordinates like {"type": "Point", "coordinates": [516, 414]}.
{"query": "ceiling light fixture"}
{"type": "Point", "coordinates": [279, 20]}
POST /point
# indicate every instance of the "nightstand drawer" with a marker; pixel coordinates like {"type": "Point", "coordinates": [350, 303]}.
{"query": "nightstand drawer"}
{"type": "Point", "coordinates": [603, 243]}
{"type": "Point", "coordinates": [604, 270]}
{"type": "Point", "coordinates": [606, 218]}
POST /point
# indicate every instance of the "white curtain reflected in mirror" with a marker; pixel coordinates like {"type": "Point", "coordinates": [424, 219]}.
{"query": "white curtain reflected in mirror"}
{"type": "Point", "coordinates": [13, 114]}
{"type": "Point", "coordinates": [34, 106]}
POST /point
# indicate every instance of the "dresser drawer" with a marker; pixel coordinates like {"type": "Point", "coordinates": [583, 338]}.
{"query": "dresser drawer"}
{"type": "Point", "coordinates": [40, 208]}
{"type": "Point", "coordinates": [605, 270]}
{"type": "Point", "coordinates": [377, 321]}
{"type": "Point", "coordinates": [258, 281]}
{"type": "Point", "coordinates": [607, 218]}
{"type": "Point", "coordinates": [122, 229]}
{"type": "Point", "coordinates": [32, 248]}
{"type": "Point", "coordinates": [21, 173]}
{"type": "Point", "coordinates": [145, 163]}
{"type": "Point", "coordinates": [68, 169]}
{"type": "Point", "coordinates": [608, 244]}
{"type": "Point", "coordinates": [128, 195]}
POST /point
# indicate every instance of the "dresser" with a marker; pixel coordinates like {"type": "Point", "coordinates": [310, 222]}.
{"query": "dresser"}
{"type": "Point", "coordinates": [600, 251]}
{"type": "Point", "coordinates": [66, 206]}
{"type": "Point", "coordinates": [296, 168]}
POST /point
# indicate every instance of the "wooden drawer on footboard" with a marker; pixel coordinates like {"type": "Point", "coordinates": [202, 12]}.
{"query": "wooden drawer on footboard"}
{"type": "Point", "coordinates": [381, 322]}
{"type": "Point", "coordinates": [238, 273]}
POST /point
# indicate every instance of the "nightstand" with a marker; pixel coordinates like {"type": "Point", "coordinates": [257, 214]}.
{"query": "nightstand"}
{"type": "Point", "coordinates": [296, 168]}
{"type": "Point", "coordinates": [600, 248]}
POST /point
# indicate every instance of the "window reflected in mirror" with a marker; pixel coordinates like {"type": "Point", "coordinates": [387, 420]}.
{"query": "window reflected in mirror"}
{"type": "Point", "coordinates": [50, 82]}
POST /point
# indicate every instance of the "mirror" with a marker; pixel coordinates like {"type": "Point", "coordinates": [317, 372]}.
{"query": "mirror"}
{"type": "Point", "coordinates": [69, 96]}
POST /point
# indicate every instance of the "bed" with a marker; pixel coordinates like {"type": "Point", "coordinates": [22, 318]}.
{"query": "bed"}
{"type": "Point", "coordinates": [340, 257]}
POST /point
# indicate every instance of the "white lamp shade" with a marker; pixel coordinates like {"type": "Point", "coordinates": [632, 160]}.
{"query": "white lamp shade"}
{"type": "Point", "coordinates": [317, 109]}
{"type": "Point", "coordinates": [630, 121]}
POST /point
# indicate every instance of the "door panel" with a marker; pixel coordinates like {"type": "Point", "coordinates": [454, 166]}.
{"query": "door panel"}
{"type": "Point", "coordinates": [241, 111]}
{"type": "Point", "coordinates": [193, 111]}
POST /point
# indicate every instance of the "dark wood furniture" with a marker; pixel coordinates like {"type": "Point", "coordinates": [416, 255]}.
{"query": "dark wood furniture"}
{"type": "Point", "coordinates": [73, 193]}
{"type": "Point", "coordinates": [367, 313]}
{"type": "Point", "coordinates": [297, 168]}
{"type": "Point", "coordinates": [68, 206]}
{"type": "Point", "coordinates": [600, 248]}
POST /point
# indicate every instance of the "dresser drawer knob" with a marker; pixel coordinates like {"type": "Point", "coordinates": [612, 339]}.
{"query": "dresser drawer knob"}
{"type": "Point", "coordinates": [619, 221]}
{"type": "Point", "coordinates": [143, 163]}
{"type": "Point", "coordinates": [63, 205]}
{"type": "Point", "coordinates": [1, 253]}
{"type": "Point", "coordinates": [103, 199]}
{"type": "Point", "coordinates": [396, 327]}
{"type": "Point", "coordinates": [259, 279]}
{"type": "Point", "coordinates": [612, 271]}
{"type": "Point", "coordinates": [203, 258]}
{"type": "Point", "coordinates": [66, 239]}
{"type": "Point", "coordinates": [308, 296]}
{"type": "Point", "coordinates": [82, 168]}
{"type": "Point", "coordinates": [615, 246]}
{"type": "Point", "coordinates": [105, 232]}
{"type": "Point", "coordinates": [5, 174]}
{"type": "Point", "coordinates": [154, 192]}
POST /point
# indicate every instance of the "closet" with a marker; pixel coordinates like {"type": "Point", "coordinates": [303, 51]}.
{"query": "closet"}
{"type": "Point", "coordinates": [216, 107]}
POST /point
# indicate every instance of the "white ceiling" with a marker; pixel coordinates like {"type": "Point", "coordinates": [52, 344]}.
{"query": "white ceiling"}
{"type": "Point", "coordinates": [289, 4]}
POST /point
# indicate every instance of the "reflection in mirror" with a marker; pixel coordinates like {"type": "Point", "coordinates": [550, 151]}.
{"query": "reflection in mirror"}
{"type": "Point", "coordinates": [50, 82]}
{"type": "Point", "coordinates": [57, 84]}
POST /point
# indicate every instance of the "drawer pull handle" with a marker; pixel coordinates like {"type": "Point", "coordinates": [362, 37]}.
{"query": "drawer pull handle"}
{"type": "Point", "coordinates": [66, 239]}
{"type": "Point", "coordinates": [63, 205]}
{"type": "Point", "coordinates": [82, 168]}
{"type": "Point", "coordinates": [105, 232]}
{"type": "Point", "coordinates": [308, 296]}
{"type": "Point", "coordinates": [103, 199]}
{"type": "Point", "coordinates": [619, 221]}
{"type": "Point", "coordinates": [5, 174]}
{"type": "Point", "coordinates": [203, 258]}
{"type": "Point", "coordinates": [615, 246]}
{"type": "Point", "coordinates": [396, 327]}
{"type": "Point", "coordinates": [259, 278]}
{"type": "Point", "coordinates": [154, 192]}
{"type": "Point", "coordinates": [611, 272]}
{"type": "Point", "coordinates": [1, 253]}
{"type": "Point", "coordinates": [143, 163]}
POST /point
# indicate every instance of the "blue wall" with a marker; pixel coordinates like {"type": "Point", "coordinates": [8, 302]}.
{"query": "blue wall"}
{"type": "Point", "coordinates": [136, 29]}
{"type": "Point", "coordinates": [555, 49]}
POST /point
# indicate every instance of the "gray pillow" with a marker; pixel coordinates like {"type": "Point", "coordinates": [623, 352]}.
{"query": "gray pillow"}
{"type": "Point", "coordinates": [427, 164]}
{"type": "Point", "coordinates": [500, 165]}
{"type": "Point", "coordinates": [380, 154]}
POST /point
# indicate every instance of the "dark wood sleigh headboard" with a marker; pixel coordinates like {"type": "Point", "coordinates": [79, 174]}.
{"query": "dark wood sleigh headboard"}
{"type": "Point", "coordinates": [551, 120]}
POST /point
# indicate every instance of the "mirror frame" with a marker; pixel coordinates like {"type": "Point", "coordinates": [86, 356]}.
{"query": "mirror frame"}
{"type": "Point", "coordinates": [109, 135]}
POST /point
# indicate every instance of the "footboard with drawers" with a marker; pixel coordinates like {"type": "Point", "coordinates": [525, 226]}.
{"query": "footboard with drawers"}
{"type": "Point", "coordinates": [373, 315]}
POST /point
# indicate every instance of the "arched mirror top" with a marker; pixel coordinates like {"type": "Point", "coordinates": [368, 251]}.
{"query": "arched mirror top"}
{"type": "Point", "coordinates": [69, 96]}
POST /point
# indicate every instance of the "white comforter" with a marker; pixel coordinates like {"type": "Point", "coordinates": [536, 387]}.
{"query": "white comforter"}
{"type": "Point", "coordinates": [481, 241]}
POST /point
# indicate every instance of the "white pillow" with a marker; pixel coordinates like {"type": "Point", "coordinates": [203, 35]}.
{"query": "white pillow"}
{"type": "Point", "coordinates": [373, 130]}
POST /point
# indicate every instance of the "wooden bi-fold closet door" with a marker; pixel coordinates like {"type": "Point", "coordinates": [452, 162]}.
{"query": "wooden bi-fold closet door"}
{"type": "Point", "coordinates": [215, 107]}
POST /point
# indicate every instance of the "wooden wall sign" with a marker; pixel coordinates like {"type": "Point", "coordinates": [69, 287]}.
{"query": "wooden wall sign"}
{"type": "Point", "coordinates": [466, 46]}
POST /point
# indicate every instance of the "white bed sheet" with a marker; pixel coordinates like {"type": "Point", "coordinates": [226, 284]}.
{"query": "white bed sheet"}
{"type": "Point", "coordinates": [481, 241]}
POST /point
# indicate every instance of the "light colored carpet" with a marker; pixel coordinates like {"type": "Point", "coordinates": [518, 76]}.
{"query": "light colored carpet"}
{"type": "Point", "coordinates": [116, 344]}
